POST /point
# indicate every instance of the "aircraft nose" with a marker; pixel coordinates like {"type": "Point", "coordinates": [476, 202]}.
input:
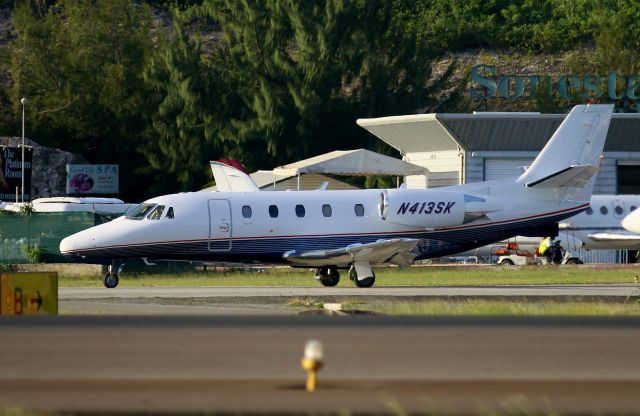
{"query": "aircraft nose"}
{"type": "Point", "coordinates": [76, 243]}
{"type": "Point", "coordinates": [632, 222]}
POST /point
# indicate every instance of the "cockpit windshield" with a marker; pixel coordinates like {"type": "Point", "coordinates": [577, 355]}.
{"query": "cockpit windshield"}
{"type": "Point", "coordinates": [156, 213]}
{"type": "Point", "coordinates": [140, 211]}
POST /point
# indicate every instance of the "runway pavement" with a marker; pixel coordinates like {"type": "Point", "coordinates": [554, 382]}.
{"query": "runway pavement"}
{"type": "Point", "coordinates": [196, 364]}
{"type": "Point", "coordinates": [596, 290]}
{"type": "Point", "coordinates": [277, 300]}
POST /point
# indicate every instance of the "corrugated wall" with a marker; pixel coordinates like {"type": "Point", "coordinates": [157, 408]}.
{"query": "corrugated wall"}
{"type": "Point", "coordinates": [444, 168]}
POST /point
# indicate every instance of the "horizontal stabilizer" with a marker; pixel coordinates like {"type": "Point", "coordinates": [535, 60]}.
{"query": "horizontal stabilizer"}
{"type": "Point", "coordinates": [230, 179]}
{"type": "Point", "coordinates": [574, 176]}
{"type": "Point", "coordinates": [395, 251]}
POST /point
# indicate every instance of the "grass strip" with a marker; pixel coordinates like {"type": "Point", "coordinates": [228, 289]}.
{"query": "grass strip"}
{"type": "Point", "coordinates": [477, 307]}
{"type": "Point", "coordinates": [411, 276]}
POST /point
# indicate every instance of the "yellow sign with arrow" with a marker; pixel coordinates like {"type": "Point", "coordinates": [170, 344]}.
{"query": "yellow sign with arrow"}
{"type": "Point", "coordinates": [29, 293]}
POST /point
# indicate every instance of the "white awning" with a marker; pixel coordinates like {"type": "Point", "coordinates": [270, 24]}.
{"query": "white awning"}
{"type": "Point", "coordinates": [411, 133]}
{"type": "Point", "coordinates": [360, 162]}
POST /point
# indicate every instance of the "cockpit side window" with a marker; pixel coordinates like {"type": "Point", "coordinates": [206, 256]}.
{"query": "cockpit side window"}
{"type": "Point", "coordinates": [156, 213]}
{"type": "Point", "coordinates": [169, 213]}
{"type": "Point", "coordinates": [140, 211]}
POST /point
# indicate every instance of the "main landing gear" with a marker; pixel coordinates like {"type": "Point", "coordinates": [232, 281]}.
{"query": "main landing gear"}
{"type": "Point", "coordinates": [111, 277]}
{"type": "Point", "coordinates": [359, 280]}
{"type": "Point", "coordinates": [361, 275]}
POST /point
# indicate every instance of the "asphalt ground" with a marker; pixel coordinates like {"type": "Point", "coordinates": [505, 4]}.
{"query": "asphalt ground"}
{"type": "Point", "coordinates": [373, 364]}
{"type": "Point", "coordinates": [276, 300]}
{"type": "Point", "coordinates": [572, 290]}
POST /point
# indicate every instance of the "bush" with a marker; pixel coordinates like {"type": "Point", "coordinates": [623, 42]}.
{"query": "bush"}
{"type": "Point", "coordinates": [32, 253]}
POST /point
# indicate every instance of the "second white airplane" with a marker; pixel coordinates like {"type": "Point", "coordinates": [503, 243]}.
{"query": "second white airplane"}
{"type": "Point", "coordinates": [350, 230]}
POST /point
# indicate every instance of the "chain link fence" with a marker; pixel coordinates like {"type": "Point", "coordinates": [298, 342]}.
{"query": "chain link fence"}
{"type": "Point", "coordinates": [36, 237]}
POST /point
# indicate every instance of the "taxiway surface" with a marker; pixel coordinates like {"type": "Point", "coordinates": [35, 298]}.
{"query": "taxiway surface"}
{"type": "Point", "coordinates": [276, 300]}
{"type": "Point", "coordinates": [373, 364]}
{"type": "Point", "coordinates": [591, 290]}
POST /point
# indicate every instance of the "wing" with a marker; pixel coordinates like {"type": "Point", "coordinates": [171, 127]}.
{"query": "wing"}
{"type": "Point", "coordinates": [614, 237]}
{"type": "Point", "coordinates": [395, 251]}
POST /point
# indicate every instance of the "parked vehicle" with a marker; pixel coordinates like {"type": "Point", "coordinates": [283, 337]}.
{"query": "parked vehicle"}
{"type": "Point", "coordinates": [512, 255]}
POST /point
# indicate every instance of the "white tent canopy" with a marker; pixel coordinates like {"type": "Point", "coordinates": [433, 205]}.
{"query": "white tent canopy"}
{"type": "Point", "coordinates": [360, 162]}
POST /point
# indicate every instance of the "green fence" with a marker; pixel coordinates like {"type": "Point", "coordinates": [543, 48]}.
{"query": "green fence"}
{"type": "Point", "coordinates": [36, 237]}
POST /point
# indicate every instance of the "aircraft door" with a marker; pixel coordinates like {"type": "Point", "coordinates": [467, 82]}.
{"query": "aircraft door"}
{"type": "Point", "coordinates": [220, 226]}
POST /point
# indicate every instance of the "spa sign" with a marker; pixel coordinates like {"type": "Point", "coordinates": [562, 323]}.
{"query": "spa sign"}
{"type": "Point", "coordinates": [487, 84]}
{"type": "Point", "coordinates": [92, 179]}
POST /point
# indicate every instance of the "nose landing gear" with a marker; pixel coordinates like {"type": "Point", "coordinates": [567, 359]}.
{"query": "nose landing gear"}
{"type": "Point", "coordinates": [111, 279]}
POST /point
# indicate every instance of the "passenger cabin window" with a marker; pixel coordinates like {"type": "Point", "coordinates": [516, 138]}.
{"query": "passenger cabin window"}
{"type": "Point", "coordinates": [169, 215]}
{"type": "Point", "coordinates": [326, 210]}
{"type": "Point", "coordinates": [632, 208]}
{"type": "Point", "coordinates": [604, 210]}
{"type": "Point", "coordinates": [300, 211]}
{"type": "Point", "coordinates": [619, 210]}
{"type": "Point", "coordinates": [140, 211]}
{"type": "Point", "coordinates": [246, 211]}
{"type": "Point", "coordinates": [589, 211]}
{"type": "Point", "coordinates": [359, 209]}
{"type": "Point", "coordinates": [273, 211]}
{"type": "Point", "coordinates": [156, 213]}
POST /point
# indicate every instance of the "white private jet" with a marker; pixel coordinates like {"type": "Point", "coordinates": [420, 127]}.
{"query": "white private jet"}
{"type": "Point", "coordinates": [332, 230]}
{"type": "Point", "coordinates": [602, 225]}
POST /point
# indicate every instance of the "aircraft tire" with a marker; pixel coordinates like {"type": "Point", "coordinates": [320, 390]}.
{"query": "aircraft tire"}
{"type": "Point", "coordinates": [329, 277]}
{"type": "Point", "coordinates": [366, 282]}
{"type": "Point", "coordinates": [110, 280]}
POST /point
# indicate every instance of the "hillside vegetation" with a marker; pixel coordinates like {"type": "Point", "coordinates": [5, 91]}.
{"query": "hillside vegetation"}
{"type": "Point", "coordinates": [162, 87]}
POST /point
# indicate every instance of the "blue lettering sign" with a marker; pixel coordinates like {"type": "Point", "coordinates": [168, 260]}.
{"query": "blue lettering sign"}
{"type": "Point", "coordinates": [440, 207]}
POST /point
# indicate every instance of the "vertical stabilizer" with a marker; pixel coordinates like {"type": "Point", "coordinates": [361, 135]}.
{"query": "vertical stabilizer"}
{"type": "Point", "coordinates": [572, 156]}
{"type": "Point", "coordinates": [230, 179]}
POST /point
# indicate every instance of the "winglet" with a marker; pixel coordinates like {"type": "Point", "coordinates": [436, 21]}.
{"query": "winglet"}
{"type": "Point", "coordinates": [230, 179]}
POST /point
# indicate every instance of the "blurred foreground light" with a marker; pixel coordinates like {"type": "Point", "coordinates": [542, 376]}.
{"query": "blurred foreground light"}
{"type": "Point", "coordinates": [312, 362]}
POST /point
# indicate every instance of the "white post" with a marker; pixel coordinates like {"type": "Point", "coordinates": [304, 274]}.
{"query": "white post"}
{"type": "Point", "coordinates": [23, 101]}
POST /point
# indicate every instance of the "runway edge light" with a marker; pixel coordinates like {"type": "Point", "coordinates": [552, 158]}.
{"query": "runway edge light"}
{"type": "Point", "coordinates": [312, 362]}
{"type": "Point", "coordinates": [29, 293]}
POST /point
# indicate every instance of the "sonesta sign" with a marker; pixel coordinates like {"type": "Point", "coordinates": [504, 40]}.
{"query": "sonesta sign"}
{"type": "Point", "coordinates": [612, 86]}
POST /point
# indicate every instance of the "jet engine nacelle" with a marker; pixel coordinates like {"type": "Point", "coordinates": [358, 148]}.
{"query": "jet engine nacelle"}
{"type": "Point", "coordinates": [428, 209]}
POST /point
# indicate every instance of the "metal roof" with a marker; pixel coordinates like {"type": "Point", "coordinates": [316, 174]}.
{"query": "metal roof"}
{"type": "Point", "coordinates": [308, 181]}
{"type": "Point", "coordinates": [490, 131]}
{"type": "Point", "coordinates": [407, 133]}
{"type": "Point", "coordinates": [360, 162]}
{"type": "Point", "coordinates": [265, 179]}
{"type": "Point", "coordinates": [624, 133]}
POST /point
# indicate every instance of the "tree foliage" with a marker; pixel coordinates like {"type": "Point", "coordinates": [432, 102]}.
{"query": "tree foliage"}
{"type": "Point", "coordinates": [163, 86]}
{"type": "Point", "coordinates": [79, 63]}
{"type": "Point", "coordinates": [306, 70]}
{"type": "Point", "coordinates": [194, 104]}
